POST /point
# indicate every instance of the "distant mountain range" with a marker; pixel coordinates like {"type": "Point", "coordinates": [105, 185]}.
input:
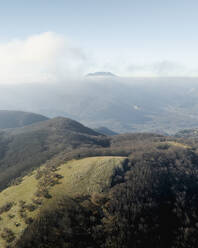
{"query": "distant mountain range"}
{"type": "Point", "coordinates": [162, 105]}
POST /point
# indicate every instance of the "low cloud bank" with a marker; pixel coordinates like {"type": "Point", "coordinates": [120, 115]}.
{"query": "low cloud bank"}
{"type": "Point", "coordinates": [46, 57]}
{"type": "Point", "coordinates": [51, 58]}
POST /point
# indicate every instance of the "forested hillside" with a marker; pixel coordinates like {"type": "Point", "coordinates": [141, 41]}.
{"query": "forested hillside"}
{"type": "Point", "coordinates": [23, 149]}
{"type": "Point", "coordinates": [65, 185]}
{"type": "Point", "coordinates": [151, 203]}
{"type": "Point", "coordinates": [13, 119]}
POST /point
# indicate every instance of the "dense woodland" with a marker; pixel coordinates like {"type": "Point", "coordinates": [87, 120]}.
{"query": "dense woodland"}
{"type": "Point", "coordinates": [151, 203]}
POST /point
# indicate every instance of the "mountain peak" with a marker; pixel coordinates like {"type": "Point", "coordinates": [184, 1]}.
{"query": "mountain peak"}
{"type": "Point", "coordinates": [101, 74]}
{"type": "Point", "coordinates": [63, 123]}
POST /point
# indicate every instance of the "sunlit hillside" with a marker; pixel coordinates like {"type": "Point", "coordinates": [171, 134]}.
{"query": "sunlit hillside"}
{"type": "Point", "coordinates": [20, 204]}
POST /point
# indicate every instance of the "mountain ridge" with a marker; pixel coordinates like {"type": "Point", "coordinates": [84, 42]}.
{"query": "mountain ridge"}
{"type": "Point", "coordinates": [14, 119]}
{"type": "Point", "coordinates": [105, 131]}
{"type": "Point", "coordinates": [26, 147]}
{"type": "Point", "coordinates": [101, 74]}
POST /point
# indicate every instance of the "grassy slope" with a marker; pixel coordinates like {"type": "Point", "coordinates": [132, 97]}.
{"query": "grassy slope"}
{"type": "Point", "coordinates": [79, 177]}
{"type": "Point", "coordinates": [178, 144]}
{"type": "Point", "coordinates": [22, 149]}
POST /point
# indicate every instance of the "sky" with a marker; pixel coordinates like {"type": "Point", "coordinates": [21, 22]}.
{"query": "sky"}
{"type": "Point", "coordinates": [52, 40]}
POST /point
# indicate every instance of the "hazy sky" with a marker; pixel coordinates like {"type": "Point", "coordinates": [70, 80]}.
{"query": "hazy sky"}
{"type": "Point", "coordinates": [46, 40]}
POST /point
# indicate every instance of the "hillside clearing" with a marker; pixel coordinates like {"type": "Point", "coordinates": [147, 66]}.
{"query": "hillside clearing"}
{"type": "Point", "coordinates": [20, 204]}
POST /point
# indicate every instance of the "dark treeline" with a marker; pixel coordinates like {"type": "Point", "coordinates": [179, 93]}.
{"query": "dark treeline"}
{"type": "Point", "coordinates": [55, 141]}
{"type": "Point", "coordinates": [152, 204]}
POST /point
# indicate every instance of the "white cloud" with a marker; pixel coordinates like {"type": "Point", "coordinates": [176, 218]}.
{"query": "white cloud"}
{"type": "Point", "coordinates": [129, 66]}
{"type": "Point", "coordinates": [45, 57]}
{"type": "Point", "coordinates": [50, 57]}
{"type": "Point", "coordinates": [164, 68]}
